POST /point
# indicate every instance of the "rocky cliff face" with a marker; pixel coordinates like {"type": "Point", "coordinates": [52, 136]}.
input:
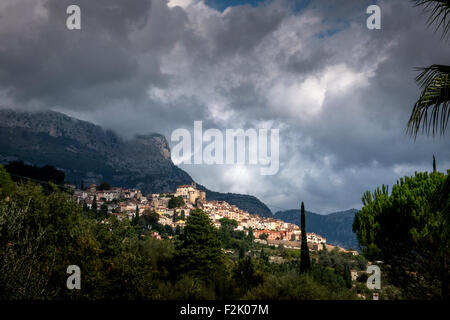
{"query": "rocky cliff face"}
{"type": "Point", "coordinates": [87, 152]}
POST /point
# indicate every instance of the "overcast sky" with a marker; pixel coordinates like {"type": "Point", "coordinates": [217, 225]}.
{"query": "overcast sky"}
{"type": "Point", "coordinates": [340, 94]}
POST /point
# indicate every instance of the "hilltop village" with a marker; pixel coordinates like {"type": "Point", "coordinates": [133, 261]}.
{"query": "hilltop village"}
{"type": "Point", "coordinates": [174, 208]}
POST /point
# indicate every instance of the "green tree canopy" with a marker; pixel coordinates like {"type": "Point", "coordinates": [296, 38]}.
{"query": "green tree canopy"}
{"type": "Point", "coordinates": [103, 211]}
{"type": "Point", "coordinates": [245, 274]}
{"type": "Point", "coordinates": [225, 232]}
{"type": "Point", "coordinates": [176, 202]}
{"type": "Point", "coordinates": [150, 218]}
{"type": "Point", "coordinates": [263, 236]}
{"type": "Point", "coordinates": [199, 253]}
{"type": "Point", "coordinates": [229, 224]}
{"type": "Point", "coordinates": [250, 236]}
{"type": "Point", "coordinates": [21, 171]}
{"type": "Point", "coordinates": [408, 230]}
{"type": "Point", "coordinates": [38, 236]}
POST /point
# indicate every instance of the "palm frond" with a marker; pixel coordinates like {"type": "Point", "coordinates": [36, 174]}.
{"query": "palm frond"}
{"type": "Point", "coordinates": [439, 11]}
{"type": "Point", "coordinates": [432, 110]}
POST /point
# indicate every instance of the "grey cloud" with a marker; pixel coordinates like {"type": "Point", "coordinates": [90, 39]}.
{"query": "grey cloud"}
{"type": "Point", "coordinates": [243, 28]}
{"type": "Point", "coordinates": [109, 71]}
{"type": "Point", "coordinates": [47, 63]}
{"type": "Point", "coordinates": [309, 64]}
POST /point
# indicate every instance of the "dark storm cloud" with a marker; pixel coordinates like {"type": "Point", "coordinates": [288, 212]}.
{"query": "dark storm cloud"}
{"type": "Point", "coordinates": [340, 93]}
{"type": "Point", "coordinates": [47, 63]}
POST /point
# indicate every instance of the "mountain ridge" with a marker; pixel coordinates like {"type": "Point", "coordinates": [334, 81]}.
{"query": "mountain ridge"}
{"type": "Point", "coordinates": [336, 227]}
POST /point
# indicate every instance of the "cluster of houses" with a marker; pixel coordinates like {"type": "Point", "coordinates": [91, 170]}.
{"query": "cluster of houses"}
{"type": "Point", "coordinates": [124, 203]}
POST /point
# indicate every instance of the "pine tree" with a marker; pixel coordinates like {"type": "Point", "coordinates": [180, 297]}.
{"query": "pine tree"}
{"type": "Point", "coordinates": [199, 252]}
{"type": "Point", "coordinates": [434, 164]}
{"type": "Point", "coordinates": [305, 263]}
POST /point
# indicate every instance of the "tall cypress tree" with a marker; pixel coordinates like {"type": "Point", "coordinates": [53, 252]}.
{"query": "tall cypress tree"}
{"type": "Point", "coordinates": [174, 219]}
{"type": "Point", "coordinates": [305, 263]}
{"type": "Point", "coordinates": [434, 164]}
{"type": "Point", "coordinates": [347, 276]}
{"type": "Point", "coordinates": [94, 204]}
{"type": "Point", "coordinates": [136, 216]}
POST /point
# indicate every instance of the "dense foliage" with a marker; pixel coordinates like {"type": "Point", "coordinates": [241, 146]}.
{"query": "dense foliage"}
{"type": "Point", "coordinates": [42, 234]}
{"type": "Point", "coordinates": [199, 252]}
{"type": "Point", "coordinates": [21, 172]}
{"type": "Point", "coordinates": [408, 230]}
{"type": "Point", "coordinates": [176, 202]}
